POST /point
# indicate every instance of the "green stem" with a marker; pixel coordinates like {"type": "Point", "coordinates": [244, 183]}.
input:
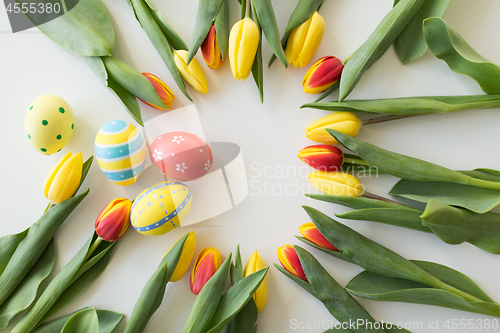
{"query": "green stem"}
{"type": "Point", "coordinates": [248, 8]}
{"type": "Point", "coordinates": [386, 118]}
{"type": "Point", "coordinates": [484, 183]}
{"type": "Point", "coordinates": [49, 206]}
{"type": "Point", "coordinates": [464, 295]}
{"type": "Point", "coordinates": [92, 248]}
{"type": "Point", "coordinates": [378, 197]}
{"type": "Point", "coordinates": [356, 161]}
{"type": "Point", "coordinates": [474, 105]}
{"type": "Point", "coordinates": [243, 8]}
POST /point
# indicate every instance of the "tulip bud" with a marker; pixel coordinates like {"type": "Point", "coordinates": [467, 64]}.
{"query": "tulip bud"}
{"type": "Point", "coordinates": [322, 75]}
{"type": "Point", "coordinates": [336, 183]}
{"type": "Point", "coordinates": [166, 95]}
{"type": "Point", "coordinates": [312, 234]}
{"type": "Point", "coordinates": [192, 73]}
{"type": "Point", "coordinates": [304, 40]}
{"type": "Point", "coordinates": [290, 261]}
{"type": "Point", "coordinates": [243, 43]}
{"type": "Point", "coordinates": [207, 263]}
{"type": "Point", "coordinates": [322, 157]}
{"type": "Point", "coordinates": [345, 122]}
{"type": "Point", "coordinates": [113, 221]}
{"type": "Point", "coordinates": [254, 264]}
{"type": "Point", "coordinates": [64, 179]}
{"type": "Point", "coordinates": [211, 51]}
{"type": "Point", "coordinates": [185, 258]}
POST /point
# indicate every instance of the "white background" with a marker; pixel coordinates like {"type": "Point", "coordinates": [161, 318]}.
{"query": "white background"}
{"type": "Point", "coordinates": [270, 136]}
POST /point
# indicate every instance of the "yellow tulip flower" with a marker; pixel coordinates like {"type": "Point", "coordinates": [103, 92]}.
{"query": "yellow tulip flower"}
{"type": "Point", "coordinates": [304, 40]}
{"type": "Point", "coordinates": [192, 73]}
{"type": "Point", "coordinates": [185, 258]}
{"type": "Point", "coordinates": [345, 122]}
{"type": "Point", "coordinates": [243, 43]}
{"type": "Point", "coordinates": [63, 180]}
{"type": "Point", "coordinates": [254, 264]}
{"type": "Point", "coordinates": [336, 183]}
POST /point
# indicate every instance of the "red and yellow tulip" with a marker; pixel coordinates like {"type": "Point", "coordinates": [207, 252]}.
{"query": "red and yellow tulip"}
{"type": "Point", "coordinates": [63, 180]}
{"type": "Point", "coordinates": [304, 40]}
{"type": "Point", "coordinates": [290, 261]}
{"type": "Point", "coordinates": [322, 157]}
{"type": "Point", "coordinates": [322, 75]}
{"type": "Point", "coordinates": [207, 263]}
{"type": "Point", "coordinates": [211, 51]}
{"type": "Point", "coordinates": [312, 234]}
{"type": "Point", "coordinates": [114, 220]}
{"type": "Point", "coordinates": [166, 95]}
{"type": "Point", "coordinates": [254, 264]}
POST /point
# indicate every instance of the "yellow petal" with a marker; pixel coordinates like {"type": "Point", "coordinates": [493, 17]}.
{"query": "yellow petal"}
{"type": "Point", "coordinates": [66, 180]}
{"type": "Point", "coordinates": [234, 46]}
{"type": "Point", "coordinates": [192, 74]}
{"type": "Point", "coordinates": [345, 122]}
{"type": "Point", "coordinates": [313, 39]}
{"type": "Point", "coordinates": [254, 264]}
{"type": "Point", "coordinates": [336, 183]}
{"type": "Point", "coordinates": [250, 37]}
{"type": "Point", "coordinates": [185, 258]}
{"type": "Point", "coordinates": [50, 177]}
{"type": "Point", "coordinates": [296, 42]}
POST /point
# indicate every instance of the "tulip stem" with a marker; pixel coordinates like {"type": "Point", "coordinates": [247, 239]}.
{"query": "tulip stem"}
{"type": "Point", "coordinates": [49, 206]}
{"type": "Point", "coordinates": [378, 197]}
{"type": "Point", "coordinates": [248, 8]}
{"type": "Point", "coordinates": [92, 248]}
{"type": "Point", "coordinates": [386, 118]}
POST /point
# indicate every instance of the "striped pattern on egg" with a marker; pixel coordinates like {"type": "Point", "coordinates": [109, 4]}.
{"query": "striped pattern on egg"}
{"type": "Point", "coordinates": [120, 150]}
{"type": "Point", "coordinates": [160, 208]}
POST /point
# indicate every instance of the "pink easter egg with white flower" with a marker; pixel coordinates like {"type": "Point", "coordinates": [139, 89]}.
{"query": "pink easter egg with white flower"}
{"type": "Point", "coordinates": [181, 156]}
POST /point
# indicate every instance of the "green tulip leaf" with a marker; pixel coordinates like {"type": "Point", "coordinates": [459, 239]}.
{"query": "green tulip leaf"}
{"type": "Point", "coordinates": [147, 17]}
{"type": "Point", "coordinates": [127, 99]}
{"type": "Point", "coordinates": [337, 254]}
{"type": "Point", "coordinates": [366, 253]}
{"type": "Point", "coordinates": [207, 301]}
{"type": "Point", "coordinates": [85, 321]}
{"type": "Point", "coordinates": [304, 284]}
{"type": "Point", "coordinates": [31, 248]}
{"type": "Point", "coordinates": [359, 202]}
{"type": "Point", "coordinates": [235, 299]}
{"type": "Point", "coordinates": [222, 28]}
{"type": "Point", "coordinates": [453, 278]}
{"type": "Point", "coordinates": [400, 217]}
{"type": "Point", "coordinates": [447, 44]}
{"type": "Point", "coordinates": [83, 279]}
{"type": "Point", "coordinates": [455, 226]}
{"type": "Point", "coordinates": [411, 105]}
{"type": "Point", "coordinates": [26, 292]}
{"type": "Point", "coordinates": [377, 44]}
{"type": "Point", "coordinates": [381, 288]}
{"type": "Point", "coordinates": [149, 301]}
{"type": "Point", "coordinates": [172, 37]}
{"type": "Point", "coordinates": [85, 171]}
{"type": "Point", "coordinates": [482, 173]}
{"type": "Point", "coordinates": [267, 19]}
{"type": "Point", "coordinates": [406, 167]}
{"type": "Point", "coordinates": [476, 199]}
{"type": "Point", "coordinates": [8, 245]}
{"type": "Point", "coordinates": [337, 301]}
{"type": "Point", "coordinates": [71, 272]}
{"type": "Point", "coordinates": [132, 80]}
{"type": "Point", "coordinates": [86, 29]}
{"type": "Point", "coordinates": [410, 44]}
{"type": "Point", "coordinates": [108, 320]}
{"type": "Point", "coordinates": [205, 18]}
{"type": "Point", "coordinates": [302, 12]}
{"type": "Point", "coordinates": [257, 67]}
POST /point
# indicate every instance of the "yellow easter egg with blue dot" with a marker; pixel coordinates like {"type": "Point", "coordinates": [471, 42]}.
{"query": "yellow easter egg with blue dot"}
{"type": "Point", "coordinates": [120, 151]}
{"type": "Point", "coordinates": [49, 124]}
{"type": "Point", "coordinates": [160, 208]}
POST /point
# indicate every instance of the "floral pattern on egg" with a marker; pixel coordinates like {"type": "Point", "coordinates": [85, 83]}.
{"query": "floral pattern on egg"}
{"type": "Point", "coordinates": [181, 156]}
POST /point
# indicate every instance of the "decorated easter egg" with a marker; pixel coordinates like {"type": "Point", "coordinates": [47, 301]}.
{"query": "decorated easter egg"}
{"type": "Point", "coordinates": [160, 208]}
{"type": "Point", "coordinates": [49, 124]}
{"type": "Point", "coordinates": [181, 155]}
{"type": "Point", "coordinates": [120, 151]}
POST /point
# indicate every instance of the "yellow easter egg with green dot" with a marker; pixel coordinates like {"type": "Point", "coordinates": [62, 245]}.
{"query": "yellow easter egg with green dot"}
{"type": "Point", "coordinates": [160, 208]}
{"type": "Point", "coordinates": [49, 124]}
